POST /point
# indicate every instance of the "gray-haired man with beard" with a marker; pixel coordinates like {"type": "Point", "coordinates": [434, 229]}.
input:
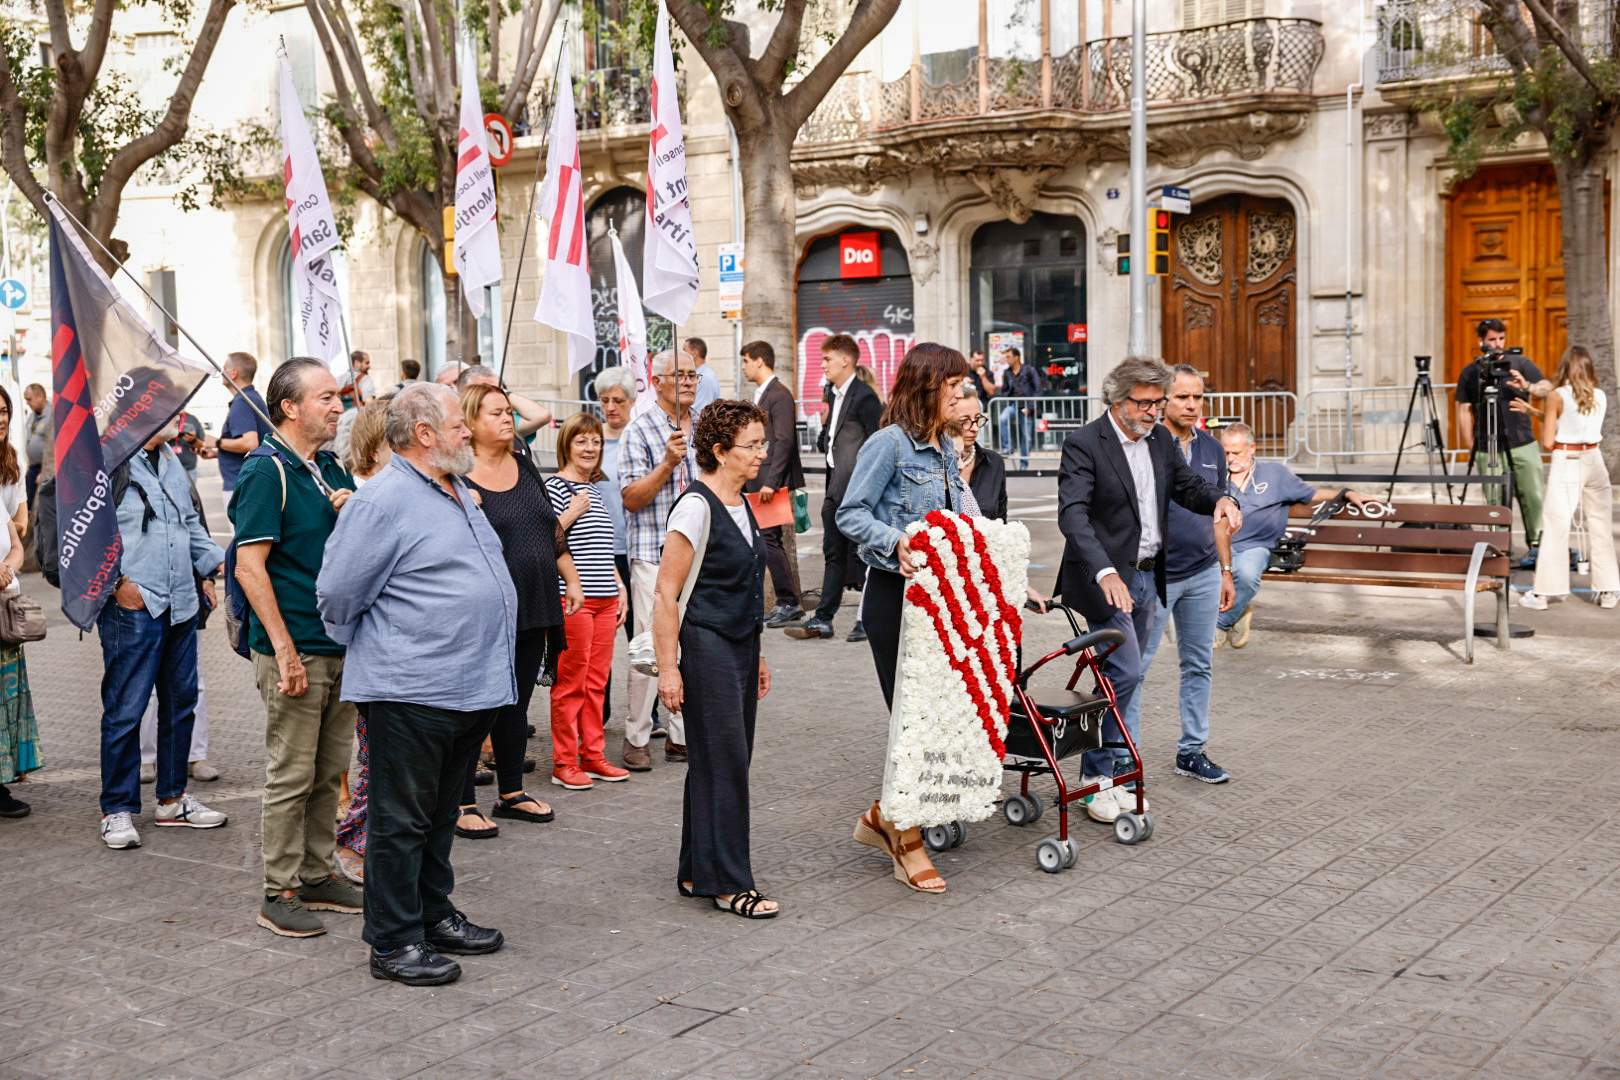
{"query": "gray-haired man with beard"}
{"type": "Point", "coordinates": [414, 573]}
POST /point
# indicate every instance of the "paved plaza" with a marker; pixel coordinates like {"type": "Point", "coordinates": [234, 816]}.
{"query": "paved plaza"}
{"type": "Point", "coordinates": [1414, 873]}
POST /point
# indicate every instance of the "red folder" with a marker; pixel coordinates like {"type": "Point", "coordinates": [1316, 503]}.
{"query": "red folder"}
{"type": "Point", "coordinates": [779, 511]}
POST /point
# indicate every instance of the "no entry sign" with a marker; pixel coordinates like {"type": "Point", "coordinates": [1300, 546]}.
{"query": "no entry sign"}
{"type": "Point", "coordinates": [500, 138]}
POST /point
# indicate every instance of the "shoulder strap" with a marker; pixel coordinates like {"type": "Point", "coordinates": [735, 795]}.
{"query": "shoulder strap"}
{"type": "Point", "coordinates": [697, 549]}
{"type": "Point", "coordinates": [281, 471]}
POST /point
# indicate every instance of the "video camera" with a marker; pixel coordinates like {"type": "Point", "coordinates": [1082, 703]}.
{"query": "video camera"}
{"type": "Point", "coordinates": [1499, 362]}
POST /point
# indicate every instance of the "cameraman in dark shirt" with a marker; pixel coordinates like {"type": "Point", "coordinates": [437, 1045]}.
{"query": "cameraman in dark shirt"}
{"type": "Point", "coordinates": [1517, 441]}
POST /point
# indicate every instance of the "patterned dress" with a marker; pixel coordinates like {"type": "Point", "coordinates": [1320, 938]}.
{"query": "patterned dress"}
{"type": "Point", "coordinates": [19, 733]}
{"type": "Point", "coordinates": [351, 832]}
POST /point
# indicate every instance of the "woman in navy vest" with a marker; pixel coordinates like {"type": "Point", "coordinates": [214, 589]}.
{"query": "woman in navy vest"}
{"type": "Point", "coordinates": [709, 667]}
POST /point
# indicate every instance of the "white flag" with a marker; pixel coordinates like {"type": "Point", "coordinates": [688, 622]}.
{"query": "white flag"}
{"type": "Point", "coordinates": [632, 341]}
{"type": "Point", "coordinates": [477, 245]}
{"type": "Point", "coordinates": [565, 292]}
{"type": "Point", "coordinates": [311, 231]}
{"type": "Point", "coordinates": [669, 261]}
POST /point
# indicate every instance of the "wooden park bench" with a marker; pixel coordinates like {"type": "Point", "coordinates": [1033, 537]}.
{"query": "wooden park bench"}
{"type": "Point", "coordinates": [1412, 546]}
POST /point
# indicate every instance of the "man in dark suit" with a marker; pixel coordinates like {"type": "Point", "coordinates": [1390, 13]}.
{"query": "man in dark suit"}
{"type": "Point", "coordinates": [854, 414]}
{"type": "Point", "coordinates": [780, 476]}
{"type": "Point", "coordinates": [1119, 475]}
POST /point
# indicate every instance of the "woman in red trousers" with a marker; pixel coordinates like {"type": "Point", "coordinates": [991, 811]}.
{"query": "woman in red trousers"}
{"type": "Point", "coordinates": [578, 759]}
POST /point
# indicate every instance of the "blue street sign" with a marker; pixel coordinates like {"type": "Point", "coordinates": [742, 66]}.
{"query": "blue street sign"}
{"type": "Point", "coordinates": [13, 294]}
{"type": "Point", "coordinates": [1172, 192]}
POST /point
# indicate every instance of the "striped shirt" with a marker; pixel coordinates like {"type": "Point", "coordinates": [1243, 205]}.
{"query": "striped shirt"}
{"type": "Point", "coordinates": [590, 538]}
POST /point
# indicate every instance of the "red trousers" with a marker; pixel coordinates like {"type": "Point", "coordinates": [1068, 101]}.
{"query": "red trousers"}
{"type": "Point", "coordinates": [582, 678]}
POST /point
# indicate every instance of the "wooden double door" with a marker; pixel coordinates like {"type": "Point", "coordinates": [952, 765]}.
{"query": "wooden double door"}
{"type": "Point", "coordinates": [1231, 297]}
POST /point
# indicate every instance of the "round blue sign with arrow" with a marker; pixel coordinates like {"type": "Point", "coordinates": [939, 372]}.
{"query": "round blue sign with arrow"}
{"type": "Point", "coordinates": [13, 294]}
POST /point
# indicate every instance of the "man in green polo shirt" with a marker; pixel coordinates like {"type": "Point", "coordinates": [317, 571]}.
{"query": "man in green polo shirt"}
{"type": "Point", "coordinates": [282, 521]}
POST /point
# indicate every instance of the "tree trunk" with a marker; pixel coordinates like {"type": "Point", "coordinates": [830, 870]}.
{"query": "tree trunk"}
{"type": "Point", "coordinates": [769, 213]}
{"type": "Point", "coordinates": [1586, 281]}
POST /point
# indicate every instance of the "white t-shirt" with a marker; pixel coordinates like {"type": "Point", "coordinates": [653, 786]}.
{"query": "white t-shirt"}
{"type": "Point", "coordinates": [688, 516]}
{"type": "Point", "coordinates": [11, 497]}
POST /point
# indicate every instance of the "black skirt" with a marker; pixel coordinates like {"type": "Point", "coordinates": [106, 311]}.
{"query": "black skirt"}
{"type": "Point", "coordinates": [721, 678]}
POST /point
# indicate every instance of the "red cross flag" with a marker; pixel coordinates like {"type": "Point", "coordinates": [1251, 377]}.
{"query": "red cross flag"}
{"type": "Point", "coordinates": [565, 291]}
{"type": "Point", "coordinates": [477, 245]}
{"type": "Point", "coordinates": [311, 231]}
{"type": "Point", "coordinates": [669, 261]}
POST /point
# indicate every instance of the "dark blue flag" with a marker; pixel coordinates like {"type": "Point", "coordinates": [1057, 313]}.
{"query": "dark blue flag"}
{"type": "Point", "coordinates": [117, 385]}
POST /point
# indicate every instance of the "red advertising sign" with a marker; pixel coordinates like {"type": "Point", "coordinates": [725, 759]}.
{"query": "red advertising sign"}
{"type": "Point", "coordinates": [1077, 332]}
{"type": "Point", "coordinates": [859, 255]}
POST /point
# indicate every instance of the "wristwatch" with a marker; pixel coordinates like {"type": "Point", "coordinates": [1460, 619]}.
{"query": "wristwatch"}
{"type": "Point", "coordinates": [1226, 568]}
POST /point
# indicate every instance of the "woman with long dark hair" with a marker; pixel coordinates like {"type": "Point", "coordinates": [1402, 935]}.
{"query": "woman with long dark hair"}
{"type": "Point", "coordinates": [19, 733]}
{"type": "Point", "coordinates": [1572, 429]}
{"type": "Point", "coordinates": [905, 472]}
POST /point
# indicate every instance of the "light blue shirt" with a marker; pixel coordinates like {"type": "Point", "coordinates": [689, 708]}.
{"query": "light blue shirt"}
{"type": "Point", "coordinates": [897, 480]}
{"type": "Point", "coordinates": [708, 389]}
{"type": "Point", "coordinates": [163, 555]}
{"type": "Point", "coordinates": [414, 585]}
{"type": "Point", "coordinates": [612, 495]}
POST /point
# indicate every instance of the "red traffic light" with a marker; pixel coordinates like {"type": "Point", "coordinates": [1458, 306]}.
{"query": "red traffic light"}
{"type": "Point", "coordinates": [1161, 219]}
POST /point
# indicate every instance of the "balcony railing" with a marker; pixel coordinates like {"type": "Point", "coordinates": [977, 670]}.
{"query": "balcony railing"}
{"type": "Point", "coordinates": [1437, 39]}
{"type": "Point", "coordinates": [618, 97]}
{"type": "Point", "coordinates": [1230, 60]}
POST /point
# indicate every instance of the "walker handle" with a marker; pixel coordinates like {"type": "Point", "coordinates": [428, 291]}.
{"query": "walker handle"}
{"type": "Point", "coordinates": [1110, 637]}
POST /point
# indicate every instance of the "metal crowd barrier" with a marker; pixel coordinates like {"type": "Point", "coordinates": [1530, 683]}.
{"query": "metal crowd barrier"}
{"type": "Point", "coordinates": [1357, 422]}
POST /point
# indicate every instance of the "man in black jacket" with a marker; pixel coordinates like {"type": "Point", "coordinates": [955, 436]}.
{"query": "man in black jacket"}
{"type": "Point", "coordinates": [1119, 474]}
{"type": "Point", "coordinates": [854, 414]}
{"type": "Point", "coordinates": [780, 476]}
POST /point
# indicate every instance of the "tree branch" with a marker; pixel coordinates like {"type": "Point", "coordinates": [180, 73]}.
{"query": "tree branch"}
{"type": "Point", "coordinates": [169, 130]}
{"type": "Point", "coordinates": [527, 70]}
{"type": "Point", "coordinates": [353, 127]}
{"type": "Point", "coordinates": [770, 70]}
{"type": "Point", "coordinates": [444, 78]}
{"type": "Point", "coordinates": [348, 42]}
{"type": "Point", "coordinates": [738, 89]}
{"type": "Point", "coordinates": [14, 140]}
{"type": "Point", "coordinates": [95, 39]}
{"type": "Point", "coordinates": [495, 41]}
{"type": "Point", "coordinates": [1508, 31]}
{"type": "Point", "coordinates": [1553, 30]}
{"type": "Point", "coordinates": [865, 23]}
{"type": "Point", "coordinates": [420, 78]}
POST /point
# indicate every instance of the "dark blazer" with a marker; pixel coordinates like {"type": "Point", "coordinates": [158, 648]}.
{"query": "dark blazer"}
{"type": "Point", "coordinates": [861, 415]}
{"type": "Point", "coordinates": [989, 483]}
{"type": "Point", "coordinates": [1097, 509]}
{"type": "Point", "coordinates": [782, 468]}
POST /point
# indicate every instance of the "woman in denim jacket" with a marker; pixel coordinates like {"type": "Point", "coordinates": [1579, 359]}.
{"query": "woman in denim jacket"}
{"type": "Point", "coordinates": [906, 470]}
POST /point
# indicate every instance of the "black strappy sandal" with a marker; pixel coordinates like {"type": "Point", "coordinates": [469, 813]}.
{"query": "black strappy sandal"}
{"type": "Point", "coordinates": [508, 808]}
{"type": "Point", "coordinates": [684, 889]}
{"type": "Point", "coordinates": [475, 834]}
{"type": "Point", "coordinates": [746, 905]}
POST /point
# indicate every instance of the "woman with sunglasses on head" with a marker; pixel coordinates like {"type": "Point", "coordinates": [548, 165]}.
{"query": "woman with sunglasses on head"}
{"type": "Point", "coordinates": [710, 670]}
{"type": "Point", "coordinates": [906, 470]}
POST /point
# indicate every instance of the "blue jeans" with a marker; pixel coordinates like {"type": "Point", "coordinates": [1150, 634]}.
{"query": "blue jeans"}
{"type": "Point", "coordinates": [1124, 669]}
{"type": "Point", "coordinates": [1194, 602]}
{"type": "Point", "coordinates": [140, 653]}
{"type": "Point", "coordinates": [1247, 568]}
{"type": "Point", "coordinates": [1017, 425]}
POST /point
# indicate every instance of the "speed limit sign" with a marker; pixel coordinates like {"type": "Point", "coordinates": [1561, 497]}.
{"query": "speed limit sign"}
{"type": "Point", "coordinates": [500, 138]}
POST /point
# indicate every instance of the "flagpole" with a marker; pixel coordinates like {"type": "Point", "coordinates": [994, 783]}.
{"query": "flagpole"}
{"type": "Point", "coordinates": [528, 218]}
{"type": "Point", "coordinates": [315, 473]}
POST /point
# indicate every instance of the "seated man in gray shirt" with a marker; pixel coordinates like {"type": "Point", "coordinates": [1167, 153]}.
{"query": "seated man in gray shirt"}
{"type": "Point", "coordinates": [414, 573]}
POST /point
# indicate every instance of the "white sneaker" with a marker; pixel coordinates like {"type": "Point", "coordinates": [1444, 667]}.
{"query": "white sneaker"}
{"type": "Point", "coordinates": [118, 832]}
{"type": "Point", "coordinates": [1103, 806]}
{"type": "Point", "coordinates": [1126, 798]}
{"type": "Point", "coordinates": [1533, 601]}
{"type": "Point", "coordinates": [148, 773]}
{"type": "Point", "coordinates": [189, 812]}
{"type": "Point", "coordinates": [1608, 599]}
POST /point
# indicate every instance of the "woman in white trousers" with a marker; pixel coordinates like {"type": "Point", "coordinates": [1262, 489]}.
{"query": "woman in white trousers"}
{"type": "Point", "coordinates": [1571, 428]}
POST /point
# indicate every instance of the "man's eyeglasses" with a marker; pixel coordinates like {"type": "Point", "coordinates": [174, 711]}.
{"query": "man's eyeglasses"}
{"type": "Point", "coordinates": [1147, 404]}
{"type": "Point", "coordinates": [686, 376]}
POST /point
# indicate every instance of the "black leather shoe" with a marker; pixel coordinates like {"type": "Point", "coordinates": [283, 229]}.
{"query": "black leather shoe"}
{"type": "Point", "coordinates": [811, 630]}
{"type": "Point", "coordinates": [857, 634]}
{"type": "Point", "coordinates": [454, 934]}
{"type": "Point", "coordinates": [784, 615]}
{"type": "Point", "coordinates": [414, 965]}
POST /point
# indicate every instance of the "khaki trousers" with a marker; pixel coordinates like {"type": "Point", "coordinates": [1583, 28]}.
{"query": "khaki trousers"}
{"type": "Point", "coordinates": [307, 742]}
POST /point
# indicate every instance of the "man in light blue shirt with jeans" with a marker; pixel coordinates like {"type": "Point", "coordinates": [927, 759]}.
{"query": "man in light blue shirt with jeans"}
{"type": "Point", "coordinates": [414, 586]}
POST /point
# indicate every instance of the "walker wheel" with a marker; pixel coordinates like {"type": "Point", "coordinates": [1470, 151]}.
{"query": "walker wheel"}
{"type": "Point", "coordinates": [1071, 853]}
{"type": "Point", "coordinates": [1019, 811]}
{"type": "Point", "coordinates": [1147, 826]}
{"type": "Point", "coordinates": [958, 834]}
{"type": "Point", "coordinates": [1036, 807]}
{"type": "Point", "coordinates": [937, 837]}
{"type": "Point", "coordinates": [1128, 828]}
{"type": "Point", "coordinates": [1051, 856]}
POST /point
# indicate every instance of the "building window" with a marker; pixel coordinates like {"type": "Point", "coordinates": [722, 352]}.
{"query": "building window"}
{"type": "Point", "coordinates": [858, 282]}
{"type": "Point", "coordinates": [625, 209]}
{"type": "Point", "coordinates": [1213, 12]}
{"type": "Point", "coordinates": [160, 283]}
{"type": "Point", "coordinates": [433, 311]}
{"type": "Point", "coordinates": [1028, 293]}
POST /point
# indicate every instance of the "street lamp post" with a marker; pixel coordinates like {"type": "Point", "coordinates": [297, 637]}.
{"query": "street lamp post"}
{"type": "Point", "coordinates": [1138, 341]}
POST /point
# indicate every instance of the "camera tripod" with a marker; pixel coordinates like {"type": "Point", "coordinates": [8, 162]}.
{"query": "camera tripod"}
{"type": "Point", "coordinates": [1434, 440]}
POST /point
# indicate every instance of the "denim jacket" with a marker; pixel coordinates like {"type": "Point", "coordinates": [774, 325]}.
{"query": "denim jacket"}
{"type": "Point", "coordinates": [897, 480]}
{"type": "Point", "coordinates": [164, 552]}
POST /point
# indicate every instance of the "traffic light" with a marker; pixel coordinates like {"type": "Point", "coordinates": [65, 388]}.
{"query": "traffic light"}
{"type": "Point", "coordinates": [450, 240]}
{"type": "Point", "coordinates": [1122, 249]}
{"type": "Point", "coordinates": [1158, 251]}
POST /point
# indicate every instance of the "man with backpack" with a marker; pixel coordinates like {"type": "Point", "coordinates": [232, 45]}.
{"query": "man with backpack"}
{"type": "Point", "coordinates": [282, 521]}
{"type": "Point", "coordinates": [149, 640]}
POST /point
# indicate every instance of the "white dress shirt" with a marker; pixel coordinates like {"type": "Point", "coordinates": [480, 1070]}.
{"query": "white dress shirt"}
{"type": "Point", "coordinates": [832, 417]}
{"type": "Point", "coordinates": [759, 391]}
{"type": "Point", "coordinates": [1140, 460]}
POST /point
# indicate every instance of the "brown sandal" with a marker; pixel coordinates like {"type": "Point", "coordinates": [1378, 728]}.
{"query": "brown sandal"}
{"type": "Point", "coordinates": [869, 831]}
{"type": "Point", "coordinates": [922, 881]}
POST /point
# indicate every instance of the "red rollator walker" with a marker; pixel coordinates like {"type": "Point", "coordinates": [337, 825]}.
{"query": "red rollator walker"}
{"type": "Point", "coordinates": [1063, 727]}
